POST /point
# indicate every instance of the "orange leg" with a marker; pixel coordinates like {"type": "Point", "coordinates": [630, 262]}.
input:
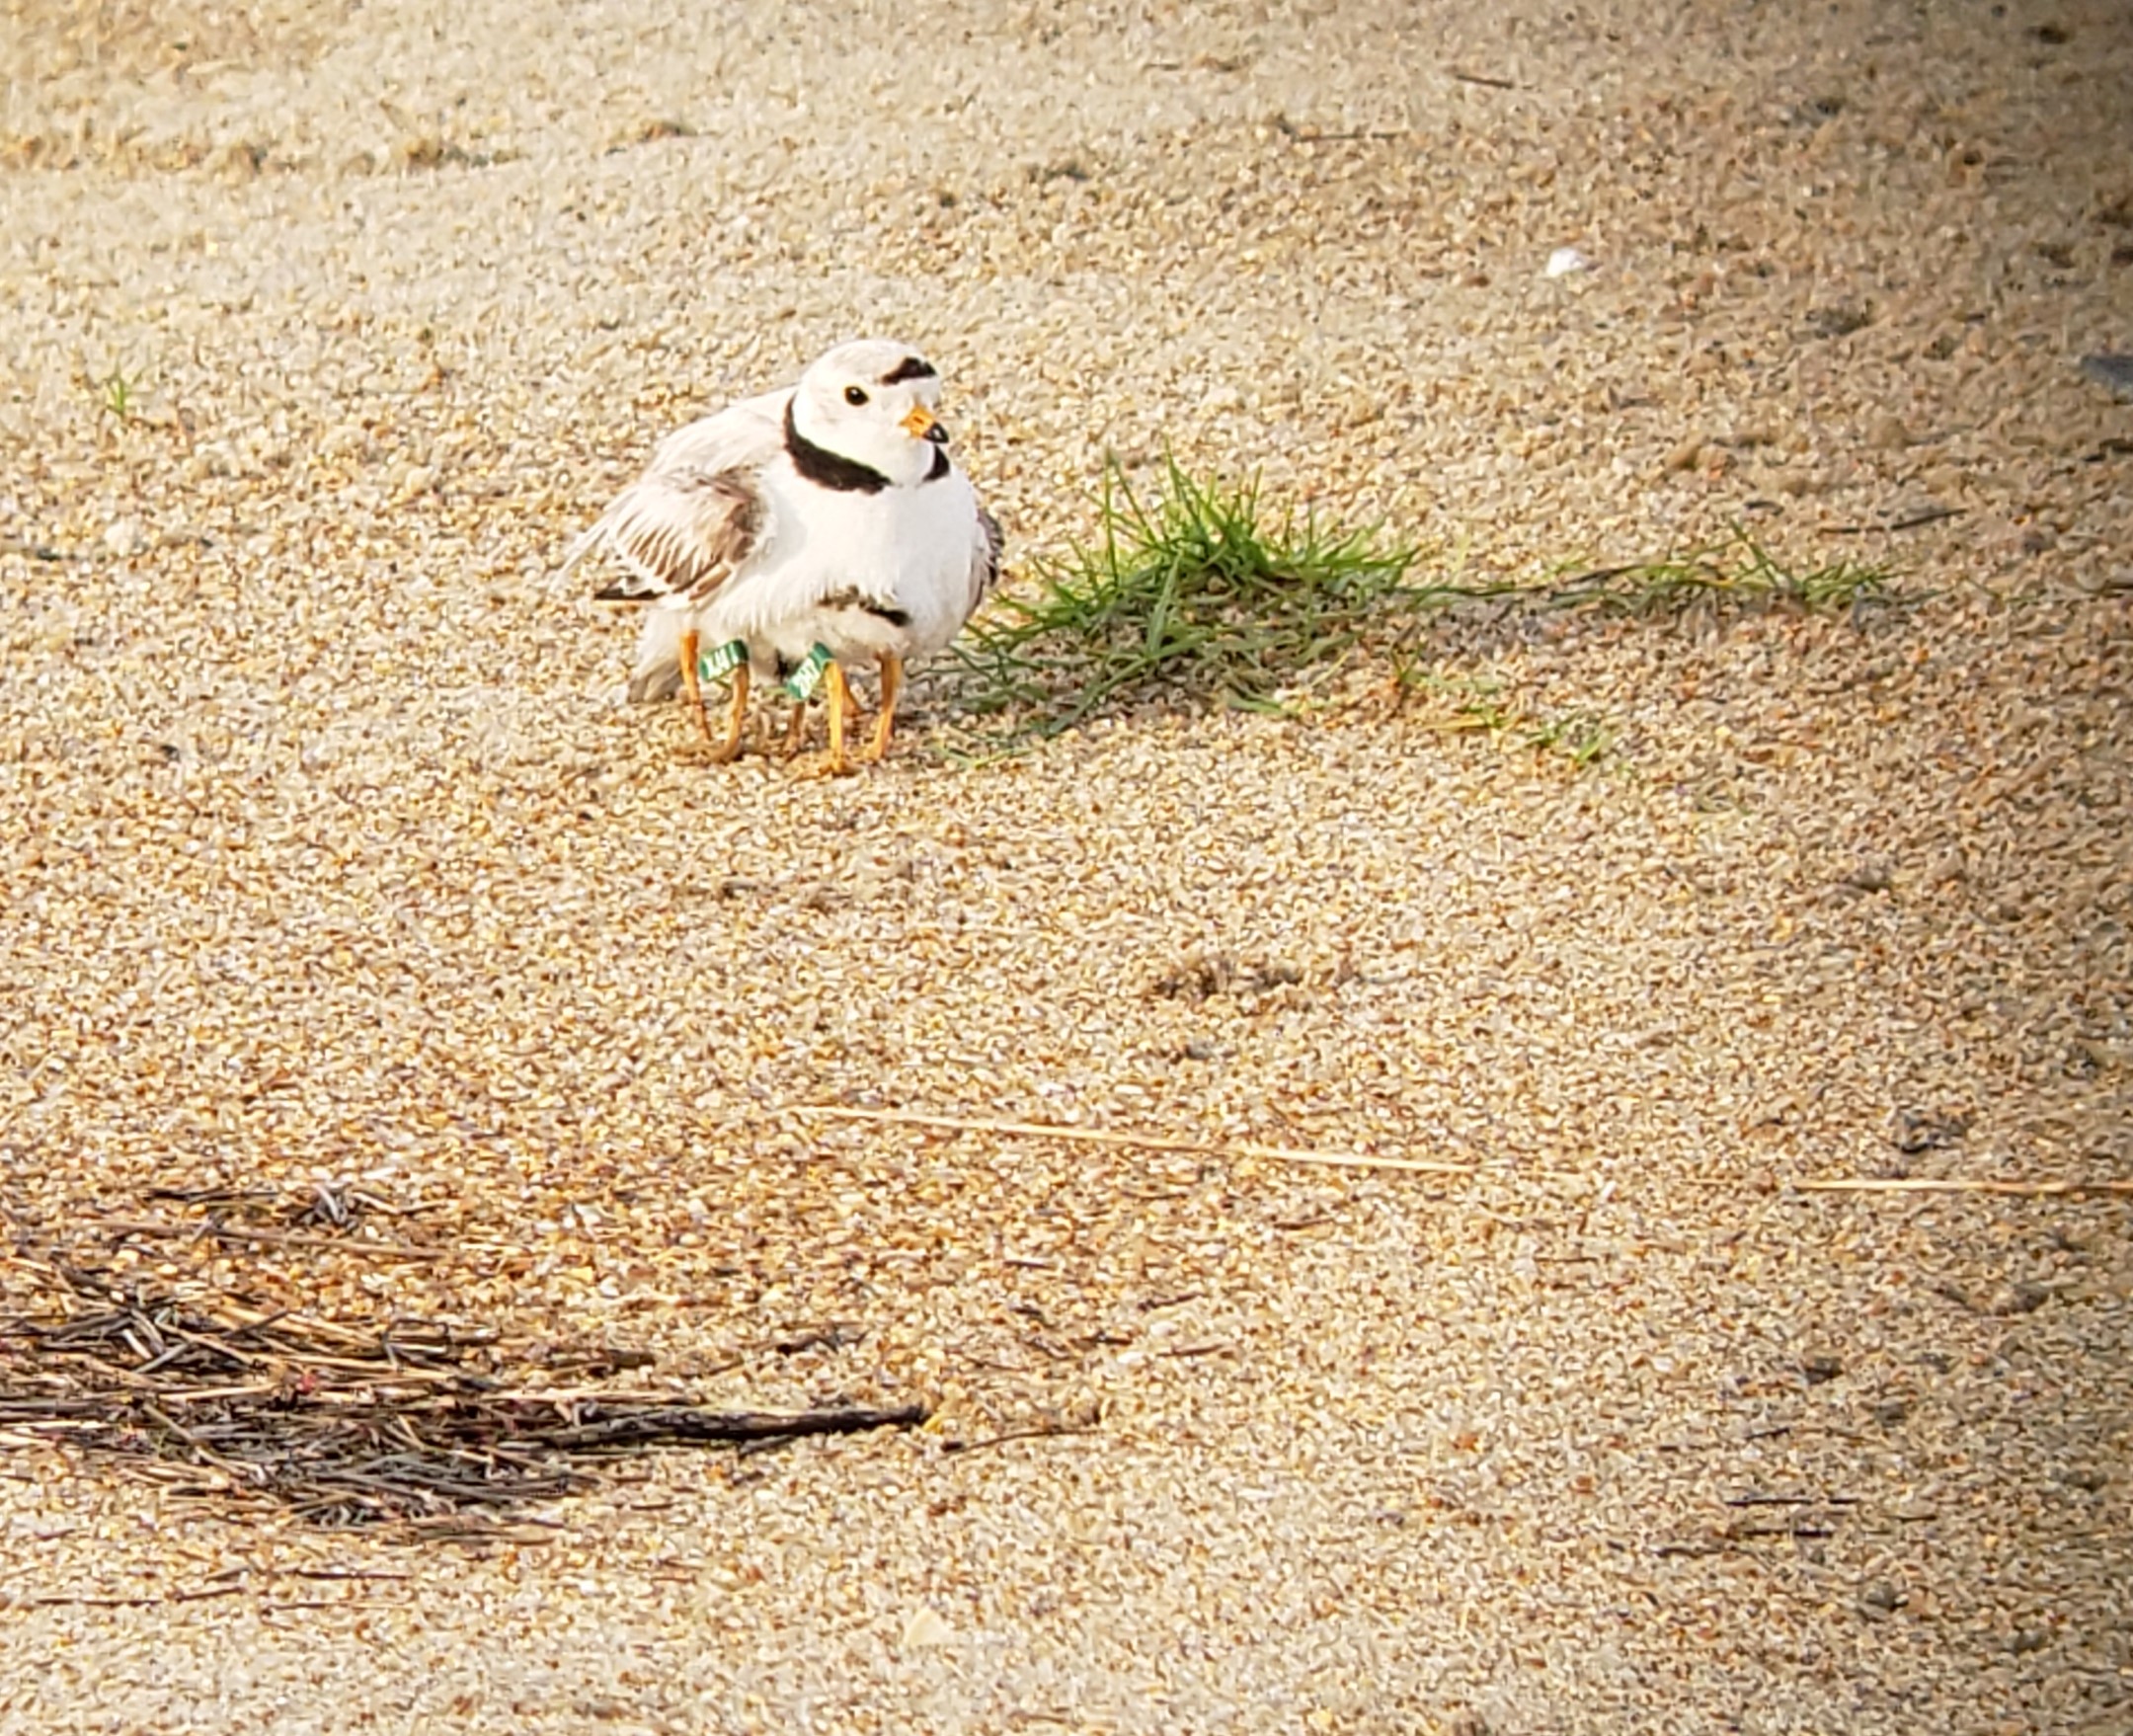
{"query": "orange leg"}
{"type": "Point", "coordinates": [839, 704]}
{"type": "Point", "coordinates": [891, 681]}
{"type": "Point", "coordinates": [691, 687]}
{"type": "Point", "coordinates": [735, 719]}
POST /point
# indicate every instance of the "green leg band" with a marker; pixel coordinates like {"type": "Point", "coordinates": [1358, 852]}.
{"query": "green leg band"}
{"type": "Point", "coordinates": [803, 681]}
{"type": "Point", "coordinates": [721, 660]}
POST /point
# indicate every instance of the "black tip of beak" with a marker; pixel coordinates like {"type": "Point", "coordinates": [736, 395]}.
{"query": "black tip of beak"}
{"type": "Point", "coordinates": [937, 435]}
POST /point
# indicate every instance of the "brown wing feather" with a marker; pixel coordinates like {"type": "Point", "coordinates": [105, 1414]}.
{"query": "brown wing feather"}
{"type": "Point", "coordinates": [680, 534]}
{"type": "Point", "coordinates": [988, 528]}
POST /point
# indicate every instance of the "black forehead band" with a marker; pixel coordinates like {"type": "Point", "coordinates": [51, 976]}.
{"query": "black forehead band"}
{"type": "Point", "coordinates": [912, 367]}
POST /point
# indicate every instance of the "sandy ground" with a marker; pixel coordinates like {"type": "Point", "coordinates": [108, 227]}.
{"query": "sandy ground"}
{"type": "Point", "coordinates": [328, 856]}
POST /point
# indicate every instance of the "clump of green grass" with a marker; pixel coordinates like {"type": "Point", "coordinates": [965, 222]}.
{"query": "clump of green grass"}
{"type": "Point", "coordinates": [1198, 592]}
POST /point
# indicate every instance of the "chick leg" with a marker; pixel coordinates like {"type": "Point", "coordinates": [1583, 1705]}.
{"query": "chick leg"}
{"type": "Point", "coordinates": [691, 687]}
{"type": "Point", "coordinates": [795, 728]}
{"type": "Point", "coordinates": [892, 682]}
{"type": "Point", "coordinates": [735, 719]}
{"type": "Point", "coordinates": [839, 703]}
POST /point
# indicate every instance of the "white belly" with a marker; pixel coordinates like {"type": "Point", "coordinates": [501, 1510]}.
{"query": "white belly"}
{"type": "Point", "coordinates": [907, 552]}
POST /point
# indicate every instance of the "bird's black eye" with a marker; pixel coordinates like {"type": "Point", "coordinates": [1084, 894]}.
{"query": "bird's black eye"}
{"type": "Point", "coordinates": [855, 395]}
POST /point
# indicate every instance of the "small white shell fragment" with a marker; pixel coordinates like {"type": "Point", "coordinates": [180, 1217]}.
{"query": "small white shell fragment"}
{"type": "Point", "coordinates": [924, 1628]}
{"type": "Point", "coordinates": [1566, 260]}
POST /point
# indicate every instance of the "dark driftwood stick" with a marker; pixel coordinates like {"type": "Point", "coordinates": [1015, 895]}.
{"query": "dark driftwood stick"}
{"type": "Point", "coordinates": [687, 1424]}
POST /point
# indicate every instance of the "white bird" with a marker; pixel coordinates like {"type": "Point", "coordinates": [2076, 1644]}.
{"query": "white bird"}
{"type": "Point", "coordinates": [794, 531]}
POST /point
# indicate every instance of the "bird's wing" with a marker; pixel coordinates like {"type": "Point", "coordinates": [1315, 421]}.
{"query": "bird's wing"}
{"type": "Point", "coordinates": [740, 434]}
{"type": "Point", "coordinates": [986, 557]}
{"type": "Point", "coordinates": [680, 534]}
{"type": "Point", "coordinates": [695, 514]}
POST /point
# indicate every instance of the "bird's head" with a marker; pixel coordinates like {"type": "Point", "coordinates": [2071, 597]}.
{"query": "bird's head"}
{"type": "Point", "coordinates": [872, 402]}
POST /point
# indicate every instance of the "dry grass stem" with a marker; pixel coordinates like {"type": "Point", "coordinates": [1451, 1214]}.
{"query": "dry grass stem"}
{"type": "Point", "coordinates": [1044, 1130]}
{"type": "Point", "coordinates": [1924, 1184]}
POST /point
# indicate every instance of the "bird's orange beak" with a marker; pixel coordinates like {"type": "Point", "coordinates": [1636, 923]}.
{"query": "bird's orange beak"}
{"type": "Point", "coordinates": [921, 423]}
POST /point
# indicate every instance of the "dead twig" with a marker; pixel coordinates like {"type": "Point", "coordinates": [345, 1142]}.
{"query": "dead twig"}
{"type": "Point", "coordinates": [132, 1602]}
{"type": "Point", "coordinates": [1912, 522]}
{"type": "Point", "coordinates": [1929, 515]}
{"type": "Point", "coordinates": [1037, 1434]}
{"type": "Point", "coordinates": [1760, 1498]}
{"type": "Point", "coordinates": [1924, 1184]}
{"type": "Point", "coordinates": [684, 1423]}
{"type": "Point", "coordinates": [278, 1609]}
{"type": "Point", "coordinates": [1347, 137]}
{"type": "Point", "coordinates": [289, 1239]}
{"type": "Point", "coordinates": [342, 1573]}
{"type": "Point", "coordinates": [1085, 1135]}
